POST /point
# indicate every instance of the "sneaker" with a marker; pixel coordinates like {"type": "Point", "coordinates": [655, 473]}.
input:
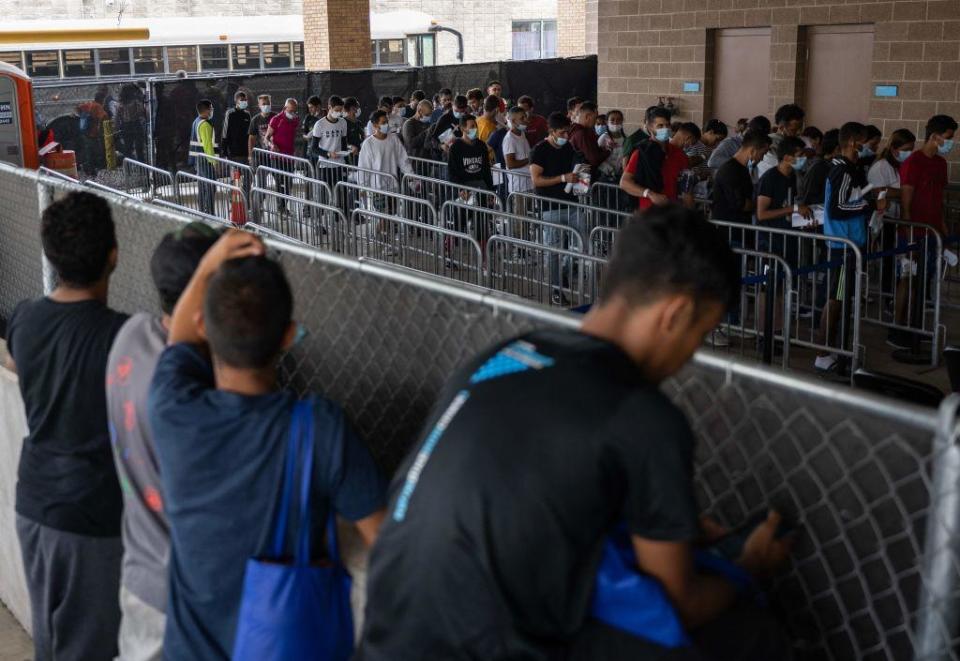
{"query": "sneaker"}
{"type": "Point", "coordinates": [826, 364]}
{"type": "Point", "coordinates": [719, 339]}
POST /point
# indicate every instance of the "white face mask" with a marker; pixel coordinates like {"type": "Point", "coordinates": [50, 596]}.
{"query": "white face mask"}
{"type": "Point", "coordinates": [335, 115]}
{"type": "Point", "coordinates": [242, 105]}
{"type": "Point", "coordinates": [615, 128]}
{"type": "Point", "coordinates": [265, 108]}
{"type": "Point", "coordinates": [383, 129]}
{"type": "Point", "coordinates": [290, 115]}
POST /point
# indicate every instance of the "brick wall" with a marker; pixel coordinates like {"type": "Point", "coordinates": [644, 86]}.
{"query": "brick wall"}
{"type": "Point", "coordinates": [571, 27]}
{"type": "Point", "coordinates": [647, 49]}
{"type": "Point", "coordinates": [336, 34]}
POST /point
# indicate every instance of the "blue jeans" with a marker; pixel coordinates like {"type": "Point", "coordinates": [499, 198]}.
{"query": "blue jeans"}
{"type": "Point", "coordinates": [553, 237]}
{"type": "Point", "coordinates": [205, 192]}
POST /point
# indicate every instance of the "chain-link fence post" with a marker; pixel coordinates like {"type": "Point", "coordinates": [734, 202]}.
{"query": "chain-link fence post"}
{"type": "Point", "coordinates": [938, 607]}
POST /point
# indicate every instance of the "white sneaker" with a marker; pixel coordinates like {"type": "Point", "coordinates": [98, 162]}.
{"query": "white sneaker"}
{"type": "Point", "coordinates": [719, 339]}
{"type": "Point", "coordinates": [825, 363]}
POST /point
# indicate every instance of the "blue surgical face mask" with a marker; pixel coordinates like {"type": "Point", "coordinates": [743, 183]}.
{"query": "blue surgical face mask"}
{"type": "Point", "coordinates": [242, 105]}
{"type": "Point", "coordinates": [561, 142]}
{"type": "Point", "coordinates": [866, 152]}
{"type": "Point", "coordinates": [799, 163]}
{"type": "Point", "coordinates": [945, 148]}
{"type": "Point", "coordinates": [903, 155]}
{"type": "Point", "coordinates": [600, 129]}
{"type": "Point", "coordinates": [425, 120]}
{"type": "Point", "coordinates": [472, 134]}
{"type": "Point", "coordinates": [457, 114]}
{"type": "Point", "coordinates": [662, 134]}
{"type": "Point", "coordinates": [265, 108]}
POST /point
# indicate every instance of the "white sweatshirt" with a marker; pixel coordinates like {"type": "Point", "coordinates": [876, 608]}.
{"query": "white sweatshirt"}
{"type": "Point", "coordinates": [387, 156]}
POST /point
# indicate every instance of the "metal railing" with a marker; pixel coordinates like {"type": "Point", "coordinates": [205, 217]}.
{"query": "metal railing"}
{"type": "Point", "coordinates": [333, 172]}
{"type": "Point", "coordinates": [438, 192]}
{"type": "Point", "coordinates": [586, 217]}
{"type": "Point", "coordinates": [310, 223]}
{"type": "Point", "coordinates": [146, 182]}
{"type": "Point", "coordinates": [426, 248]}
{"type": "Point", "coordinates": [294, 184]}
{"type": "Point", "coordinates": [223, 169]}
{"type": "Point", "coordinates": [425, 167]}
{"type": "Point", "coordinates": [499, 222]}
{"type": "Point", "coordinates": [609, 196]}
{"type": "Point", "coordinates": [349, 197]}
{"type": "Point", "coordinates": [211, 197]}
{"type": "Point", "coordinates": [282, 162]}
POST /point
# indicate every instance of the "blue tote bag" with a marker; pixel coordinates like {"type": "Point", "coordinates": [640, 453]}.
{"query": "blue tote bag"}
{"type": "Point", "coordinates": [296, 610]}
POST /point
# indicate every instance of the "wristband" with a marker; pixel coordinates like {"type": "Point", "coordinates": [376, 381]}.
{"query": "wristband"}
{"type": "Point", "coordinates": [796, 208]}
{"type": "Point", "coordinates": [646, 193]}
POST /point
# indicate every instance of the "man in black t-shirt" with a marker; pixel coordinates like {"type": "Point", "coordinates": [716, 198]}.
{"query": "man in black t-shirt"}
{"type": "Point", "coordinates": [536, 450]}
{"type": "Point", "coordinates": [259, 123]}
{"type": "Point", "coordinates": [468, 161]}
{"type": "Point", "coordinates": [68, 498]}
{"type": "Point", "coordinates": [733, 186]}
{"type": "Point", "coordinates": [777, 199]}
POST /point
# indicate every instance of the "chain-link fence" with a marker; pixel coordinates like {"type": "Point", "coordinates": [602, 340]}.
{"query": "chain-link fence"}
{"type": "Point", "coordinates": [872, 484]}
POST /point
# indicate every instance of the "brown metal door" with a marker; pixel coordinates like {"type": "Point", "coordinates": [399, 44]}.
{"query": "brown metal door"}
{"type": "Point", "coordinates": [839, 61]}
{"type": "Point", "coordinates": [741, 79]}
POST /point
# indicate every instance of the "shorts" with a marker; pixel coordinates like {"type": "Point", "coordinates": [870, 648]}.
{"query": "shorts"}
{"type": "Point", "coordinates": [838, 274]}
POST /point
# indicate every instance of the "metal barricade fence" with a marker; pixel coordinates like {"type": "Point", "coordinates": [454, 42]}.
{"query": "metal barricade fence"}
{"type": "Point", "coordinates": [333, 172]}
{"type": "Point", "coordinates": [223, 169]}
{"type": "Point", "coordinates": [96, 185]}
{"type": "Point", "coordinates": [426, 248]}
{"type": "Point", "coordinates": [873, 482]}
{"type": "Point", "coordinates": [146, 182]}
{"type": "Point", "coordinates": [437, 192]}
{"type": "Point", "coordinates": [211, 197]}
{"type": "Point", "coordinates": [195, 213]}
{"type": "Point", "coordinates": [308, 222]}
{"type": "Point", "coordinates": [828, 305]}
{"type": "Point", "coordinates": [602, 241]}
{"type": "Point", "coordinates": [519, 227]}
{"type": "Point", "coordinates": [609, 196]}
{"type": "Point", "coordinates": [536, 272]}
{"type": "Point", "coordinates": [293, 184]}
{"type": "Point", "coordinates": [584, 216]}
{"type": "Point", "coordinates": [283, 162]}
{"type": "Point", "coordinates": [425, 167]}
{"type": "Point", "coordinates": [349, 196]}
{"type": "Point", "coordinates": [57, 175]}
{"type": "Point", "coordinates": [903, 293]}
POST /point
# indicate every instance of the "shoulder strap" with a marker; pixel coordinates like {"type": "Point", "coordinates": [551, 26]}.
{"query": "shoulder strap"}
{"type": "Point", "coordinates": [303, 411]}
{"type": "Point", "coordinates": [283, 514]}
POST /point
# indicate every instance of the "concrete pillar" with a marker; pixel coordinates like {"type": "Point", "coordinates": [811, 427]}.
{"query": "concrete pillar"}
{"type": "Point", "coordinates": [336, 34]}
{"type": "Point", "coordinates": [571, 27]}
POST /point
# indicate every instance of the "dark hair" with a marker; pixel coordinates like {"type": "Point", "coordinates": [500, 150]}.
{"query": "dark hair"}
{"type": "Point", "coordinates": [939, 124]}
{"type": "Point", "coordinates": [399, 99]}
{"type": "Point", "coordinates": [176, 258]}
{"type": "Point", "coordinates": [851, 131]}
{"type": "Point", "coordinates": [204, 104]}
{"type": "Point", "coordinates": [377, 115]}
{"type": "Point", "coordinates": [460, 101]}
{"type": "Point", "coordinates": [602, 118]}
{"type": "Point", "coordinates": [789, 146]}
{"type": "Point", "coordinates": [515, 109]}
{"type": "Point", "coordinates": [333, 101]}
{"type": "Point", "coordinates": [830, 142]}
{"type": "Point", "coordinates": [589, 106]}
{"type": "Point", "coordinates": [491, 103]}
{"type": "Point", "coordinates": [873, 132]}
{"type": "Point", "coordinates": [475, 94]}
{"type": "Point", "coordinates": [247, 311]}
{"type": "Point", "coordinates": [573, 102]}
{"type": "Point", "coordinates": [756, 139]}
{"type": "Point", "coordinates": [526, 98]}
{"type": "Point", "coordinates": [789, 113]}
{"type": "Point", "coordinates": [716, 127]}
{"type": "Point", "coordinates": [557, 121]}
{"type": "Point", "coordinates": [315, 101]}
{"type": "Point", "coordinates": [236, 95]}
{"type": "Point", "coordinates": [898, 139]}
{"type": "Point", "coordinates": [692, 129]}
{"type": "Point", "coordinates": [669, 250]}
{"type": "Point", "coordinates": [759, 123]}
{"type": "Point", "coordinates": [610, 112]}
{"type": "Point", "coordinates": [350, 102]}
{"type": "Point", "coordinates": [445, 91]}
{"type": "Point", "coordinates": [657, 111]}
{"type": "Point", "coordinates": [385, 101]}
{"type": "Point", "coordinates": [813, 133]}
{"type": "Point", "coordinates": [418, 96]}
{"type": "Point", "coordinates": [648, 111]}
{"type": "Point", "coordinates": [467, 117]}
{"type": "Point", "coordinates": [78, 236]}
{"type": "Point", "coordinates": [493, 82]}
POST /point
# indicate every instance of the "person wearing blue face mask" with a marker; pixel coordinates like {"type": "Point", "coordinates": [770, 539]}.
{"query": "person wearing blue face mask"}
{"type": "Point", "coordinates": [450, 119]}
{"type": "Point", "coordinates": [236, 129]}
{"type": "Point", "coordinates": [416, 131]}
{"type": "Point", "coordinates": [468, 161]}
{"type": "Point", "coordinates": [654, 169]}
{"type": "Point", "coordinates": [600, 126]}
{"type": "Point", "coordinates": [868, 152]}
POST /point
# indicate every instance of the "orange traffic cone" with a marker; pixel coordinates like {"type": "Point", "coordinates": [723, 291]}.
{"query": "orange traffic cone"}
{"type": "Point", "coordinates": [238, 210]}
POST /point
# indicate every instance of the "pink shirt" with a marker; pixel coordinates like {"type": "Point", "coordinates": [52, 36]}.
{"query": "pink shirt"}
{"type": "Point", "coordinates": [284, 133]}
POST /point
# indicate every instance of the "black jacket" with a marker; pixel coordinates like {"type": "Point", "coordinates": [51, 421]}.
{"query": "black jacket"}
{"type": "Point", "coordinates": [234, 134]}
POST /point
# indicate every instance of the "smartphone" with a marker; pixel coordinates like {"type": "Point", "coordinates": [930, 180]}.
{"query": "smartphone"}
{"type": "Point", "coordinates": [730, 546]}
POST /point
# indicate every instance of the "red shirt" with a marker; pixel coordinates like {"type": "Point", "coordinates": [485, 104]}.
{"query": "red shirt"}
{"type": "Point", "coordinates": [536, 129]}
{"type": "Point", "coordinates": [674, 164]}
{"type": "Point", "coordinates": [284, 133]}
{"type": "Point", "coordinates": [928, 176]}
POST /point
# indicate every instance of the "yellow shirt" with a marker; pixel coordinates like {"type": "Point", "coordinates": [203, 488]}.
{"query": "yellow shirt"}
{"type": "Point", "coordinates": [485, 127]}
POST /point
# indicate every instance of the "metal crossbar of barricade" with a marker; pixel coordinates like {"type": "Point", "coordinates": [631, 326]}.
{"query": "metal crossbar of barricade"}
{"type": "Point", "coordinates": [333, 172]}
{"type": "Point", "coordinates": [425, 167]}
{"type": "Point", "coordinates": [553, 276]}
{"type": "Point", "coordinates": [602, 241]}
{"type": "Point", "coordinates": [349, 197]}
{"type": "Point", "coordinates": [306, 221]}
{"type": "Point", "coordinates": [609, 196]}
{"type": "Point", "coordinates": [517, 180]}
{"type": "Point", "coordinates": [904, 271]}
{"type": "Point", "coordinates": [195, 213]}
{"type": "Point", "coordinates": [57, 175]}
{"type": "Point", "coordinates": [211, 198]}
{"type": "Point", "coordinates": [425, 248]}
{"type": "Point", "coordinates": [224, 170]}
{"type": "Point", "coordinates": [437, 193]}
{"type": "Point", "coordinates": [519, 227]}
{"type": "Point", "coordinates": [828, 305]}
{"type": "Point", "coordinates": [283, 162]}
{"type": "Point", "coordinates": [96, 185]}
{"type": "Point", "coordinates": [146, 182]}
{"type": "Point", "coordinates": [294, 184]}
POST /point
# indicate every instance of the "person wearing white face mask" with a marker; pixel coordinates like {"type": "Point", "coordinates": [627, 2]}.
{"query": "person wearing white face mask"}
{"type": "Point", "coordinates": [516, 151]}
{"type": "Point", "coordinates": [612, 140]}
{"type": "Point", "coordinates": [383, 152]}
{"type": "Point", "coordinates": [236, 129]}
{"type": "Point", "coordinates": [259, 124]}
{"type": "Point", "coordinates": [416, 131]}
{"type": "Point", "coordinates": [281, 138]}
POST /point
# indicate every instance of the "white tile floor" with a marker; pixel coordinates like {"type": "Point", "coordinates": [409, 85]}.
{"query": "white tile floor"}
{"type": "Point", "coordinates": [15, 645]}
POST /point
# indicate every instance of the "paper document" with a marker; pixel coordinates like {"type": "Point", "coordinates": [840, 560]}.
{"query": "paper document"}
{"type": "Point", "coordinates": [800, 221]}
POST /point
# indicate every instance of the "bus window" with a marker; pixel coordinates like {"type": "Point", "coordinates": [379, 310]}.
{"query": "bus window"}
{"type": "Point", "coordinates": [12, 57]}
{"type": "Point", "coordinates": [276, 56]}
{"type": "Point", "coordinates": [78, 63]}
{"type": "Point", "coordinates": [114, 61]}
{"type": "Point", "coordinates": [43, 64]}
{"type": "Point", "coordinates": [298, 54]}
{"type": "Point", "coordinates": [148, 60]}
{"type": "Point", "coordinates": [214, 57]}
{"type": "Point", "coordinates": [181, 58]}
{"type": "Point", "coordinates": [246, 56]}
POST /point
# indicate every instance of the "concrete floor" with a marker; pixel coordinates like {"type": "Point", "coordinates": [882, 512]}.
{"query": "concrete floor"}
{"type": "Point", "coordinates": [15, 644]}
